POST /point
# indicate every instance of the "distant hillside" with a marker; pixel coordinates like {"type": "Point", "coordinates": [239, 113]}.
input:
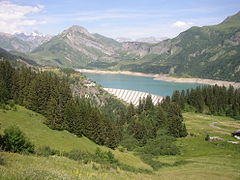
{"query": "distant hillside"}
{"type": "Point", "coordinates": [205, 52]}
{"type": "Point", "coordinates": [12, 42]}
{"type": "Point", "coordinates": [21, 41]}
{"type": "Point", "coordinates": [16, 60]}
{"type": "Point", "coordinates": [34, 39]}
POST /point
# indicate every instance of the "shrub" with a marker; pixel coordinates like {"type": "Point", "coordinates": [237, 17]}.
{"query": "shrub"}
{"type": "Point", "coordinates": [79, 155]}
{"type": "Point", "coordinates": [149, 159]}
{"type": "Point", "coordinates": [162, 145]}
{"type": "Point", "coordinates": [11, 103]}
{"type": "Point", "coordinates": [121, 149]}
{"type": "Point", "coordinates": [130, 143]}
{"type": "Point", "coordinates": [46, 151]}
{"type": "Point", "coordinates": [15, 141]}
{"type": "Point", "coordinates": [207, 137]}
{"type": "Point", "coordinates": [2, 159]}
{"type": "Point", "coordinates": [106, 156]}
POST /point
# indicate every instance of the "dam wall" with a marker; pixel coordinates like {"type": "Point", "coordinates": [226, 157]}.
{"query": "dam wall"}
{"type": "Point", "coordinates": [131, 96]}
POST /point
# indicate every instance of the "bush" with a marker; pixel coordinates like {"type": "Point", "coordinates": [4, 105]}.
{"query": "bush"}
{"type": "Point", "coordinates": [46, 151]}
{"type": "Point", "coordinates": [130, 143]}
{"type": "Point", "coordinates": [207, 137]}
{"type": "Point", "coordinates": [162, 145]}
{"type": "Point", "coordinates": [149, 159]}
{"type": "Point", "coordinates": [2, 159]}
{"type": "Point", "coordinates": [79, 155]}
{"type": "Point", "coordinates": [15, 141]}
{"type": "Point", "coordinates": [106, 156]}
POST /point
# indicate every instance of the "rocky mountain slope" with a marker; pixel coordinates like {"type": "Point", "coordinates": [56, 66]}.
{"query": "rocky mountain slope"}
{"type": "Point", "coordinates": [76, 47]}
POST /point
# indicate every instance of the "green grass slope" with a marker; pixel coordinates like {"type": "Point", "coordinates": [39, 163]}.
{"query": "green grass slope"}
{"type": "Point", "coordinates": [23, 167]}
{"type": "Point", "coordinates": [199, 159]}
{"type": "Point", "coordinates": [40, 135]}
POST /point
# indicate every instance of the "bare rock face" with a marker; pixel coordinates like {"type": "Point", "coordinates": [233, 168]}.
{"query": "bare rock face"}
{"type": "Point", "coordinates": [143, 49]}
{"type": "Point", "coordinates": [138, 48]}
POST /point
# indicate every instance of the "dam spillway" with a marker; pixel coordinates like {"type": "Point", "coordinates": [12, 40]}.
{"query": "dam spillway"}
{"type": "Point", "coordinates": [131, 96]}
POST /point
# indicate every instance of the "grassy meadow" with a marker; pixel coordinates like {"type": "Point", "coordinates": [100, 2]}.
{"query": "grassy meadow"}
{"type": "Point", "coordinates": [199, 159]}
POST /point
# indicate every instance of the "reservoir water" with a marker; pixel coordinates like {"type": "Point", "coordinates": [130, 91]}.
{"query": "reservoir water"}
{"type": "Point", "coordinates": [138, 83]}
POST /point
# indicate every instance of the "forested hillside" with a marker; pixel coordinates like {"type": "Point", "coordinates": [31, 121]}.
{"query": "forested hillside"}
{"type": "Point", "coordinates": [213, 100]}
{"type": "Point", "coordinates": [50, 95]}
{"type": "Point", "coordinates": [16, 60]}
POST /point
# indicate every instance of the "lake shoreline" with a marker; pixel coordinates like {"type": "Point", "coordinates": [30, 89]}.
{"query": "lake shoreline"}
{"type": "Point", "coordinates": [165, 77]}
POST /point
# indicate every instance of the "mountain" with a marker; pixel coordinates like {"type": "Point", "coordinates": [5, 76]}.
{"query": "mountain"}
{"type": "Point", "coordinates": [151, 39]}
{"type": "Point", "coordinates": [202, 52]}
{"type": "Point", "coordinates": [12, 42]}
{"type": "Point", "coordinates": [21, 41]}
{"type": "Point", "coordinates": [34, 39]}
{"type": "Point", "coordinates": [205, 52]}
{"type": "Point", "coordinates": [124, 39]}
{"type": "Point", "coordinates": [76, 47]}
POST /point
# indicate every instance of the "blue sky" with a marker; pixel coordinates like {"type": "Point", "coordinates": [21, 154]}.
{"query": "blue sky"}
{"type": "Point", "coordinates": [120, 18]}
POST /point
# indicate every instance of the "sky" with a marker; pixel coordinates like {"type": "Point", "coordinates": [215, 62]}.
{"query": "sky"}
{"type": "Point", "coordinates": [114, 18]}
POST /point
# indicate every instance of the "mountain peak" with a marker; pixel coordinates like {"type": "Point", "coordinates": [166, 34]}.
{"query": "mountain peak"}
{"type": "Point", "coordinates": [79, 29]}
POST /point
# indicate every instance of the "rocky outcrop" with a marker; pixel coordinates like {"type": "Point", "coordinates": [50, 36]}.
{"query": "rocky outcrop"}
{"type": "Point", "coordinates": [143, 49]}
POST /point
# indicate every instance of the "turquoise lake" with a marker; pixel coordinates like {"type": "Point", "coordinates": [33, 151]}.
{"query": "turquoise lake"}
{"type": "Point", "coordinates": [138, 83]}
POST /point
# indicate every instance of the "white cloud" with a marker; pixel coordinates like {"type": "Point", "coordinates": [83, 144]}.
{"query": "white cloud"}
{"type": "Point", "coordinates": [14, 17]}
{"type": "Point", "coordinates": [182, 24]}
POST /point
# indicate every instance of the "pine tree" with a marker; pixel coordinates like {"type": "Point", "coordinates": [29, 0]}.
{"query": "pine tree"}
{"type": "Point", "coordinates": [130, 112]}
{"type": "Point", "coordinates": [6, 81]}
{"type": "Point", "coordinates": [161, 118]}
{"type": "Point", "coordinates": [175, 124]}
{"type": "Point", "coordinates": [148, 103]}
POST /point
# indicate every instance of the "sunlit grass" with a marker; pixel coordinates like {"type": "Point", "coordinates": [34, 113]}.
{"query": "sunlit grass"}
{"type": "Point", "coordinates": [40, 135]}
{"type": "Point", "coordinates": [199, 159]}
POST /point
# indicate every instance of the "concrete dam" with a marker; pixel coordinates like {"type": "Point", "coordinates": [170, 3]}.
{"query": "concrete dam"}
{"type": "Point", "coordinates": [131, 96]}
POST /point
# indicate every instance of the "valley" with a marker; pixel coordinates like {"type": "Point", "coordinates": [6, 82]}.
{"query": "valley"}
{"type": "Point", "coordinates": [103, 94]}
